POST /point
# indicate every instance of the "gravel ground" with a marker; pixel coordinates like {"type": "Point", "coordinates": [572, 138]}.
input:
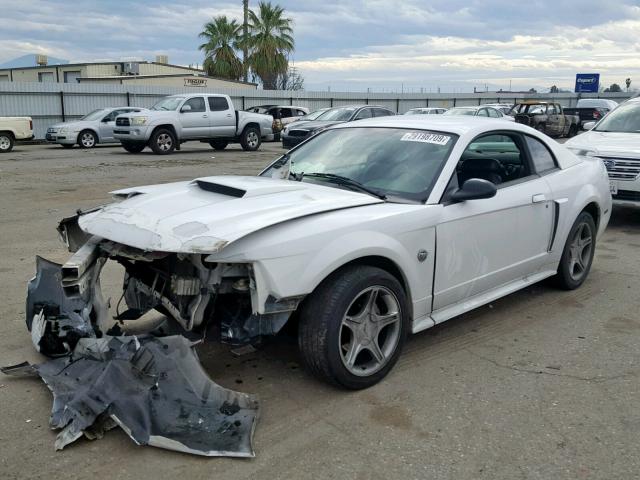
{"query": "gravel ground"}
{"type": "Point", "coordinates": [542, 384]}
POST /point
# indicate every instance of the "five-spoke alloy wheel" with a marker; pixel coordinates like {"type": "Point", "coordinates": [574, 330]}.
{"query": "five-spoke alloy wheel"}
{"type": "Point", "coordinates": [353, 326]}
{"type": "Point", "coordinates": [577, 255]}
{"type": "Point", "coordinates": [87, 139]}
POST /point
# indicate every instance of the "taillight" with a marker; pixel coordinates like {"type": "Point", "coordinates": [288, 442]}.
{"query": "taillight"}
{"type": "Point", "coordinates": [30, 124]}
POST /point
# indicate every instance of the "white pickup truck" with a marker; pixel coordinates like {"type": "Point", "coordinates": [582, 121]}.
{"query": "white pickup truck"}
{"type": "Point", "coordinates": [12, 129]}
{"type": "Point", "coordinates": [179, 118]}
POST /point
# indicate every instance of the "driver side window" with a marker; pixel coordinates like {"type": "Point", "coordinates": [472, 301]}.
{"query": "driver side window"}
{"type": "Point", "coordinates": [196, 104]}
{"type": "Point", "coordinates": [498, 158]}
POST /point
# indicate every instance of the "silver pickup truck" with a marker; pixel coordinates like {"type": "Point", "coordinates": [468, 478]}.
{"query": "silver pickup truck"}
{"type": "Point", "coordinates": [202, 117]}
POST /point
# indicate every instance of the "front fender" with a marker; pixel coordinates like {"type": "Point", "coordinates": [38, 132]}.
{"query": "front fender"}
{"type": "Point", "coordinates": [299, 275]}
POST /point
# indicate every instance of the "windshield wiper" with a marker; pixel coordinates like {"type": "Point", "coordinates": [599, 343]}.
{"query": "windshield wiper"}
{"type": "Point", "coordinates": [346, 181]}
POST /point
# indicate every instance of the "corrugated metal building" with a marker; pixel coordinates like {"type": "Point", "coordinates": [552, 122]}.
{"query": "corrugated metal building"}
{"type": "Point", "coordinates": [158, 73]}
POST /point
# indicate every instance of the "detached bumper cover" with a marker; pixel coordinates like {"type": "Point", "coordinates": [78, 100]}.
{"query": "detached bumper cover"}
{"type": "Point", "coordinates": [153, 388]}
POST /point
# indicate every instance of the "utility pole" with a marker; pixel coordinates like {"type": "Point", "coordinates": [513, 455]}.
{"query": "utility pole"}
{"type": "Point", "coordinates": [245, 34]}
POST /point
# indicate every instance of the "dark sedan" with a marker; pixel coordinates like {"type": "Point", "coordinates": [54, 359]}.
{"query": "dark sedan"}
{"type": "Point", "coordinates": [299, 131]}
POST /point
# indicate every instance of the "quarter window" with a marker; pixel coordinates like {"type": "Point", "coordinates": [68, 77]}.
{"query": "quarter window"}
{"type": "Point", "coordinates": [364, 113]}
{"type": "Point", "coordinates": [196, 104]}
{"type": "Point", "coordinates": [218, 104]}
{"type": "Point", "coordinates": [540, 154]}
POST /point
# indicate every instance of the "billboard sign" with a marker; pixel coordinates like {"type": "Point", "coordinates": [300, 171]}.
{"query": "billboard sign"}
{"type": "Point", "coordinates": [587, 82]}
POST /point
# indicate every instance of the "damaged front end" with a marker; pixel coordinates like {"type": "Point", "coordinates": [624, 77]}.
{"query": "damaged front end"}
{"type": "Point", "coordinates": [65, 302]}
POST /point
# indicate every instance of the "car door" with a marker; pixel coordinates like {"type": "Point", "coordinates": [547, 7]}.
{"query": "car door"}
{"type": "Point", "coordinates": [105, 127]}
{"type": "Point", "coordinates": [222, 117]}
{"type": "Point", "coordinates": [195, 119]}
{"type": "Point", "coordinates": [555, 121]}
{"type": "Point", "coordinates": [485, 244]}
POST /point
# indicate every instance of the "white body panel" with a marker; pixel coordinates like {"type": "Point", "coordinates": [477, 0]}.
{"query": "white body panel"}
{"type": "Point", "coordinates": [295, 234]}
{"type": "Point", "coordinates": [20, 127]}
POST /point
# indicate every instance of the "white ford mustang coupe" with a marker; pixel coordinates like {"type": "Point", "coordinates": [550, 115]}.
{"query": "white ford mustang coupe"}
{"type": "Point", "coordinates": [362, 234]}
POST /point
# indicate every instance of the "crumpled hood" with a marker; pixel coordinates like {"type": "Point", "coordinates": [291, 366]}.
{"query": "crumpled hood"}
{"type": "Point", "coordinates": [206, 214]}
{"type": "Point", "coordinates": [608, 142]}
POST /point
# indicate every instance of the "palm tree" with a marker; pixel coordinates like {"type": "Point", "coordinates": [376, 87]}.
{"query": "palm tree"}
{"type": "Point", "coordinates": [222, 39]}
{"type": "Point", "coordinates": [270, 40]}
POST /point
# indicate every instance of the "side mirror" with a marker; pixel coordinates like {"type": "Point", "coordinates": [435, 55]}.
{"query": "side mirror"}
{"type": "Point", "coordinates": [588, 125]}
{"type": "Point", "coordinates": [474, 189]}
{"type": "Point", "coordinates": [107, 120]}
{"type": "Point", "coordinates": [185, 108]}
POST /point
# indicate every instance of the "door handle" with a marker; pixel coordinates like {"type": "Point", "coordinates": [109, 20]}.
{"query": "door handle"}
{"type": "Point", "coordinates": [539, 197]}
{"type": "Point", "coordinates": [229, 115]}
{"type": "Point", "coordinates": [205, 116]}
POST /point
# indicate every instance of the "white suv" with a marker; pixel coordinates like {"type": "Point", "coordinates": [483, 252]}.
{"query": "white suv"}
{"type": "Point", "coordinates": [615, 139]}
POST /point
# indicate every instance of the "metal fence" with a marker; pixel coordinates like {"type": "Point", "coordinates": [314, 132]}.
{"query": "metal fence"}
{"type": "Point", "coordinates": [49, 103]}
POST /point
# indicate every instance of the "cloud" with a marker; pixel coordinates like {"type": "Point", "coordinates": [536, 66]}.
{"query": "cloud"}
{"type": "Point", "coordinates": [357, 43]}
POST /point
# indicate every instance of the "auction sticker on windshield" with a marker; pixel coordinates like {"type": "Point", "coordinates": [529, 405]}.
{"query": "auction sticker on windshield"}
{"type": "Point", "coordinates": [426, 138]}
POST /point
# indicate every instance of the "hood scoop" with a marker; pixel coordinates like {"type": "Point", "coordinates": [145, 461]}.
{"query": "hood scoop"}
{"type": "Point", "coordinates": [221, 189]}
{"type": "Point", "coordinates": [245, 187]}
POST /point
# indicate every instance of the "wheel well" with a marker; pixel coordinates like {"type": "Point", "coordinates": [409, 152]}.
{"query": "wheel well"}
{"type": "Point", "coordinates": [385, 264]}
{"type": "Point", "coordinates": [168, 127]}
{"type": "Point", "coordinates": [8, 132]}
{"type": "Point", "coordinates": [88, 130]}
{"type": "Point", "coordinates": [251, 125]}
{"type": "Point", "coordinates": [593, 210]}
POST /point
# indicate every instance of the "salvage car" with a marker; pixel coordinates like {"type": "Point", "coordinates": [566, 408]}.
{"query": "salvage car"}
{"type": "Point", "coordinates": [366, 232]}
{"type": "Point", "coordinates": [205, 117]}
{"type": "Point", "coordinates": [14, 129]}
{"type": "Point", "coordinates": [479, 111]}
{"type": "Point", "coordinates": [300, 131]}
{"type": "Point", "coordinates": [94, 128]}
{"type": "Point", "coordinates": [616, 141]}
{"type": "Point", "coordinates": [546, 117]}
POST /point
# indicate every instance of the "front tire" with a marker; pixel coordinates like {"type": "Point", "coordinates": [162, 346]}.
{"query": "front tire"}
{"type": "Point", "coordinates": [162, 142]}
{"type": "Point", "coordinates": [87, 139]}
{"type": "Point", "coordinates": [218, 144]}
{"type": "Point", "coordinates": [6, 142]}
{"type": "Point", "coordinates": [353, 327]}
{"type": "Point", "coordinates": [133, 147]}
{"type": "Point", "coordinates": [577, 255]}
{"type": "Point", "coordinates": [250, 139]}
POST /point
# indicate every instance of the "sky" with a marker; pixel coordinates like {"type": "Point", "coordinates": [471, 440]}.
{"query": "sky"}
{"type": "Point", "coordinates": [355, 45]}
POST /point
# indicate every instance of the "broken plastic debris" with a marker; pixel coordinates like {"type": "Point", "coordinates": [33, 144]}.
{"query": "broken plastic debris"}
{"type": "Point", "coordinates": [153, 388]}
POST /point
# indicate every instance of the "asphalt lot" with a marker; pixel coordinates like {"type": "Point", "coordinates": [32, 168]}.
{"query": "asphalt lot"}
{"type": "Point", "coordinates": [542, 384]}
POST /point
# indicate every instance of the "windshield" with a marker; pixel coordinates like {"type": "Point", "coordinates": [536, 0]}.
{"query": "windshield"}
{"type": "Point", "coordinates": [314, 115]}
{"type": "Point", "coordinates": [460, 111]}
{"type": "Point", "coordinates": [625, 119]}
{"type": "Point", "coordinates": [395, 162]}
{"type": "Point", "coordinates": [168, 103]}
{"type": "Point", "coordinates": [337, 114]}
{"type": "Point", "coordinates": [95, 115]}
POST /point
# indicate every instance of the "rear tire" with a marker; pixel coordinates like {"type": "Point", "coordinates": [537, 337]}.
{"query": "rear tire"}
{"type": "Point", "coordinates": [133, 147]}
{"type": "Point", "coordinates": [162, 142]}
{"type": "Point", "coordinates": [87, 139]}
{"type": "Point", "coordinates": [218, 144]}
{"type": "Point", "coordinates": [6, 142]}
{"type": "Point", "coordinates": [577, 255]}
{"type": "Point", "coordinates": [250, 139]}
{"type": "Point", "coordinates": [353, 327]}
